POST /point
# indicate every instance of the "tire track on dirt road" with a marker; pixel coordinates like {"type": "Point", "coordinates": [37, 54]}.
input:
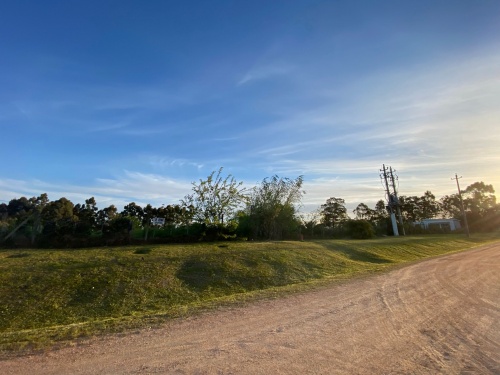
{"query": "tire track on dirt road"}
{"type": "Point", "coordinates": [441, 315]}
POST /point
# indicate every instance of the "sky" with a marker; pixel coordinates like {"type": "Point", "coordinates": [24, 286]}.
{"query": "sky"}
{"type": "Point", "coordinates": [132, 101]}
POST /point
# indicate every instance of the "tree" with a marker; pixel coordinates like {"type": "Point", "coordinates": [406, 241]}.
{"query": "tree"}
{"type": "Point", "coordinates": [4, 212]}
{"type": "Point", "coordinates": [272, 207]}
{"type": "Point", "coordinates": [429, 207]}
{"type": "Point", "coordinates": [58, 218]}
{"type": "Point", "coordinates": [363, 212]}
{"type": "Point", "coordinates": [133, 210]}
{"type": "Point", "coordinates": [333, 212]}
{"type": "Point", "coordinates": [215, 200]}
{"type": "Point", "coordinates": [416, 209]}
{"type": "Point", "coordinates": [380, 218]}
{"type": "Point", "coordinates": [19, 207]}
{"type": "Point", "coordinates": [61, 209]}
{"type": "Point", "coordinates": [87, 216]}
{"type": "Point", "coordinates": [479, 198]}
{"type": "Point", "coordinates": [105, 215]}
{"type": "Point", "coordinates": [380, 213]}
{"type": "Point", "coordinates": [483, 213]}
{"type": "Point", "coordinates": [450, 206]}
{"type": "Point", "coordinates": [311, 221]}
{"type": "Point", "coordinates": [23, 213]}
{"type": "Point", "coordinates": [39, 203]}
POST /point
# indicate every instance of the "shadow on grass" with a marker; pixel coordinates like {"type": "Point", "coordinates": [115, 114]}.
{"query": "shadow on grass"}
{"type": "Point", "coordinates": [19, 255]}
{"type": "Point", "coordinates": [203, 273]}
{"type": "Point", "coordinates": [143, 250]}
{"type": "Point", "coordinates": [355, 254]}
{"type": "Point", "coordinates": [230, 274]}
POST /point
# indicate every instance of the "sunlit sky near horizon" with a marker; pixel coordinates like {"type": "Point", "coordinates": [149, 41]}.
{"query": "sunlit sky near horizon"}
{"type": "Point", "coordinates": [133, 100]}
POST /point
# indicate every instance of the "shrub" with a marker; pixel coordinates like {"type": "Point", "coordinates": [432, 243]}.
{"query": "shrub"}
{"type": "Point", "coordinates": [360, 229]}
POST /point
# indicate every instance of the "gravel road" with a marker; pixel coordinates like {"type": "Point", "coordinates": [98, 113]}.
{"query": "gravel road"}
{"type": "Point", "coordinates": [439, 316]}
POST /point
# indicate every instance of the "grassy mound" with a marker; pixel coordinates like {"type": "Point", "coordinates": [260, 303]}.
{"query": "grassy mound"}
{"type": "Point", "coordinates": [52, 295]}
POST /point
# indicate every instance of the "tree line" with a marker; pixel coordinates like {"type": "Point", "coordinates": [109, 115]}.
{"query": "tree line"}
{"type": "Point", "coordinates": [479, 202]}
{"type": "Point", "coordinates": [221, 208]}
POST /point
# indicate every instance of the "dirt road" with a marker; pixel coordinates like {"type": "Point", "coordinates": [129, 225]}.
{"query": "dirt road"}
{"type": "Point", "coordinates": [440, 316]}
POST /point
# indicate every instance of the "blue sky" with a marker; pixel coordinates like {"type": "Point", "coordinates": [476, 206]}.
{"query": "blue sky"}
{"type": "Point", "coordinates": [133, 100]}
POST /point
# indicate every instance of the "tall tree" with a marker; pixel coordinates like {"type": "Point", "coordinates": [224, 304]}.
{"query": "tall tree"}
{"type": "Point", "coordinates": [19, 207]}
{"type": "Point", "coordinates": [104, 216]}
{"type": "Point", "coordinates": [363, 212]}
{"type": "Point", "coordinates": [273, 206]}
{"type": "Point", "coordinates": [216, 199]}
{"type": "Point", "coordinates": [429, 207]}
{"type": "Point", "coordinates": [87, 216]}
{"type": "Point", "coordinates": [133, 210]}
{"type": "Point", "coordinates": [4, 212]}
{"type": "Point", "coordinates": [333, 212]}
{"type": "Point", "coordinates": [483, 213]}
{"type": "Point", "coordinates": [479, 198]}
{"type": "Point", "coordinates": [39, 203]}
{"type": "Point", "coordinates": [380, 210]}
{"type": "Point", "coordinates": [416, 209]}
{"type": "Point", "coordinates": [58, 217]}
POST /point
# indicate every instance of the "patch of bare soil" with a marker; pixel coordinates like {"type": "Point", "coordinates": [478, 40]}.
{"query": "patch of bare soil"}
{"type": "Point", "coordinates": [440, 316]}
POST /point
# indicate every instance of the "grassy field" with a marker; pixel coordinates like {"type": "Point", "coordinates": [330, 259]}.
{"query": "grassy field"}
{"type": "Point", "coordinates": [51, 296]}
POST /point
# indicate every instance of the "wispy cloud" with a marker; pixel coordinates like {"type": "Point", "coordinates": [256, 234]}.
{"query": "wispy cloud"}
{"type": "Point", "coordinates": [162, 162]}
{"type": "Point", "coordinates": [263, 72]}
{"type": "Point", "coordinates": [105, 128]}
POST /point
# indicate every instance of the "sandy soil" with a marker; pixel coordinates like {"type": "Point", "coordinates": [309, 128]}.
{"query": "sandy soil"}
{"type": "Point", "coordinates": [440, 316]}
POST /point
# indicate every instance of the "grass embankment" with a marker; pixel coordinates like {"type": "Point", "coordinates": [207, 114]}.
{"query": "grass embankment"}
{"type": "Point", "coordinates": [47, 296]}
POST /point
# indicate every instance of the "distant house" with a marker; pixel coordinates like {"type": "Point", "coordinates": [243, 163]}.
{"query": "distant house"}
{"type": "Point", "coordinates": [443, 224]}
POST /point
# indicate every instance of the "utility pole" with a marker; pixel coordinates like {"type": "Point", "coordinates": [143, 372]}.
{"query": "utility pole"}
{"type": "Point", "coordinates": [398, 209]}
{"type": "Point", "coordinates": [456, 178]}
{"type": "Point", "coordinates": [391, 200]}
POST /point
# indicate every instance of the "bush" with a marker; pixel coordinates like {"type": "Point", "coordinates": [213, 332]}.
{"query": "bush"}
{"type": "Point", "coordinates": [360, 229]}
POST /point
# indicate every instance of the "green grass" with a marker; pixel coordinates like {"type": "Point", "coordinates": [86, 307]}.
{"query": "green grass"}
{"type": "Point", "coordinates": [51, 296]}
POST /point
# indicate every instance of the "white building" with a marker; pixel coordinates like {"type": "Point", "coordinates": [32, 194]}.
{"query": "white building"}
{"type": "Point", "coordinates": [445, 224]}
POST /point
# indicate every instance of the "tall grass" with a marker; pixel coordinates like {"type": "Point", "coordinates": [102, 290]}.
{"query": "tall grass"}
{"type": "Point", "coordinates": [51, 295]}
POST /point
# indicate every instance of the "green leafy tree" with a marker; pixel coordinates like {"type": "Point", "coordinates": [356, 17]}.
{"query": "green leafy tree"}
{"type": "Point", "coordinates": [87, 217]}
{"type": "Point", "coordinates": [380, 210]}
{"type": "Point", "coordinates": [4, 211]}
{"type": "Point", "coordinates": [133, 210]}
{"type": "Point", "coordinates": [23, 215]}
{"type": "Point", "coordinates": [482, 210]}
{"type": "Point", "coordinates": [215, 201]}
{"type": "Point", "coordinates": [380, 218]}
{"type": "Point", "coordinates": [363, 212]}
{"type": "Point", "coordinates": [39, 203]}
{"type": "Point", "coordinates": [450, 206]}
{"type": "Point", "coordinates": [273, 206]}
{"type": "Point", "coordinates": [429, 206]}
{"type": "Point", "coordinates": [58, 218]}
{"type": "Point", "coordinates": [479, 199]}
{"type": "Point", "coordinates": [333, 212]}
{"type": "Point", "coordinates": [19, 207]}
{"type": "Point", "coordinates": [416, 209]}
{"type": "Point", "coordinates": [104, 216]}
{"type": "Point", "coordinates": [311, 221]}
{"type": "Point", "coordinates": [61, 209]}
